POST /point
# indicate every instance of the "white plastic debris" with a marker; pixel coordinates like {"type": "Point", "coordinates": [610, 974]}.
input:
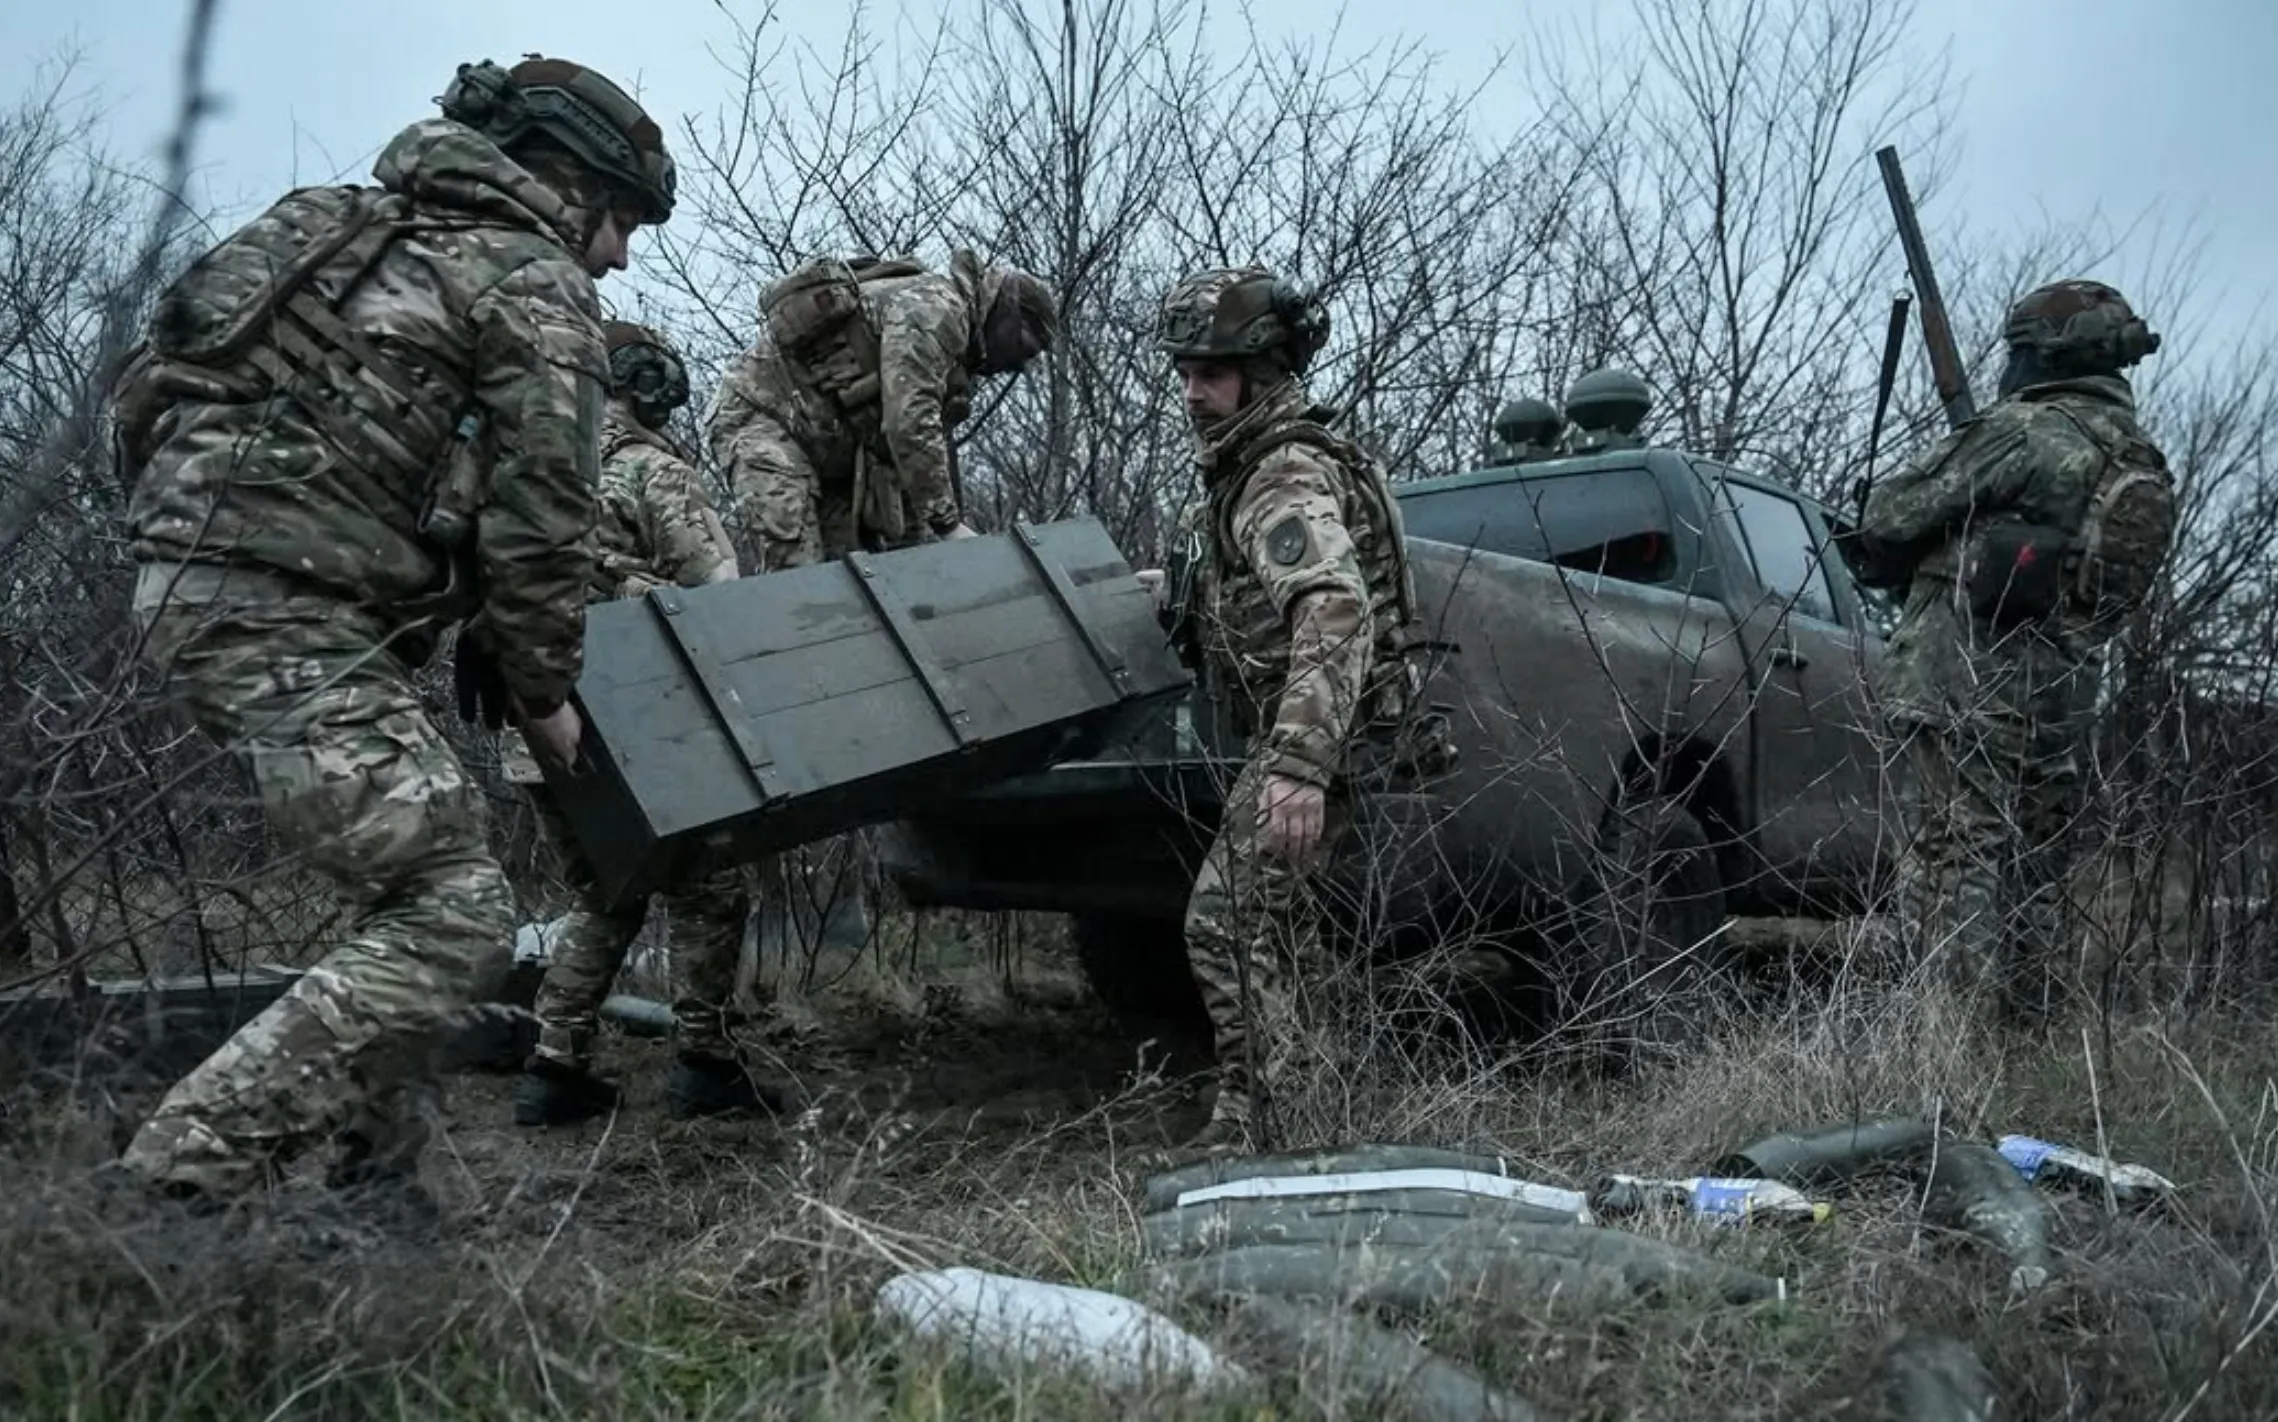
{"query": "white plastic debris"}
{"type": "Point", "coordinates": [2047, 1163]}
{"type": "Point", "coordinates": [1008, 1321]}
{"type": "Point", "coordinates": [1468, 1182]}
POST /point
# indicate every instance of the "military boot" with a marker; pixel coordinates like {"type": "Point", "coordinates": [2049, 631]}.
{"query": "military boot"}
{"type": "Point", "coordinates": [369, 1190]}
{"type": "Point", "coordinates": [702, 1085]}
{"type": "Point", "coordinates": [1218, 1139]}
{"type": "Point", "coordinates": [553, 1093]}
{"type": "Point", "coordinates": [1236, 1126]}
{"type": "Point", "coordinates": [1227, 1134]}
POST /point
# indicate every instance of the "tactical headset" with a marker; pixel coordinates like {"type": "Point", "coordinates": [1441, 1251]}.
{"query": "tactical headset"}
{"type": "Point", "coordinates": [645, 370]}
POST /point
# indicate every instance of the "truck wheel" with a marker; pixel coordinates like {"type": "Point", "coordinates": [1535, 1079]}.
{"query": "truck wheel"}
{"type": "Point", "coordinates": [1138, 968]}
{"type": "Point", "coordinates": [1650, 965]}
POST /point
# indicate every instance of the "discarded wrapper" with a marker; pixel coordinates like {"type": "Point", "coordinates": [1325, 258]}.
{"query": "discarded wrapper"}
{"type": "Point", "coordinates": [1718, 1199]}
{"type": "Point", "coordinates": [2047, 1163]}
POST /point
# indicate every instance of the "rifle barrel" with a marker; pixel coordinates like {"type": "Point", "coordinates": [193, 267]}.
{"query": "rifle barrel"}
{"type": "Point", "coordinates": [1937, 334]}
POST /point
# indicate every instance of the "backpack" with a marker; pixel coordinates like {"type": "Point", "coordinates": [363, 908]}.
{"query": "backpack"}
{"type": "Point", "coordinates": [816, 318]}
{"type": "Point", "coordinates": [2104, 570]}
{"type": "Point", "coordinates": [2127, 532]}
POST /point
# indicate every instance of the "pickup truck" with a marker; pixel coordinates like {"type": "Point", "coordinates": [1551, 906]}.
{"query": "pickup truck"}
{"type": "Point", "coordinates": [1659, 672]}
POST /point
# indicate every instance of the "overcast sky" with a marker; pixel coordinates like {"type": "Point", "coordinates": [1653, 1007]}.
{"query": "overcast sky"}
{"type": "Point", "coordinates": [2068, 109]}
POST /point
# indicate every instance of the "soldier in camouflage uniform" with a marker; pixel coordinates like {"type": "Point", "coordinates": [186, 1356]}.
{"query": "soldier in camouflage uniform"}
{"type": "Point", "coordinates": [833, 429]}
{"type": "Point", "coordinates": [657, 527]}
{"type": "Point", "coordinates": [2024, 540]}
{"type": "Point", "coordinates": [1298, 604]}
{"type": "Point", "coordinates": [362, 417]}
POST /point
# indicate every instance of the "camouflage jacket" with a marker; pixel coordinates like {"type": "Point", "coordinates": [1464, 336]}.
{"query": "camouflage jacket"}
{"type": "Point", "coordinates": [2026, 458]}
{"type": "Point", "coordinates": [1301, 589]}
{"type": "Point", "coordinates": [928, 343]}
{"type": "Point", "coordinates": [762, 422]}
{"type": "Point", "coordinates": [489, 295]}
{"type": "Point", "coordinates": [657, 524]}
{"type": "Point", "coordinates": [928, 331]}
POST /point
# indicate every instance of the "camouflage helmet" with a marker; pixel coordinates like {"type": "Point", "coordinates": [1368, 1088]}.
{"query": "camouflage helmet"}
{"type": "Point", "coordinates": [578, 108]}
{"type": "Point", "coordinates": [1031, 296]}
{"type": "Point", "coordinates": [644, 368]}
{"type": "Point", "coordinates": [2079, 325]}
{"type": "Point", "coordinates": [1239, 314]}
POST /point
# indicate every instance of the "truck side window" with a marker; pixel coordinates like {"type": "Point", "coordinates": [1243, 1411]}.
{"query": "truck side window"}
{"type": "Point", "coordinates": [1787, 561]}
{"type": "Point", "coordinates": [1879, 605]}
{"type": "Point", "coordinates": [1613, 522]}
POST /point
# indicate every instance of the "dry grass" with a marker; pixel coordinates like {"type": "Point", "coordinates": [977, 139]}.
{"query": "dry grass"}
{"type": "Point", "coordinates": [642, 1268]}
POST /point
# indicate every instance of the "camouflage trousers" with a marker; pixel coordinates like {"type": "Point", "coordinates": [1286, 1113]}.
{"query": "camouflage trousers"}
{"type": "Point", "coordinates": [1254, 942]}
{"type": "Point", "coordinates": [797, 518]}
{"type": "Point", "coordinates": [705, 908]}
{"type": "Point", "coordinates": [358, 782]}
{"type": "Point", "coordinates": [801, 515]}
{"type": "Point", "coordinates": [1990, 806]}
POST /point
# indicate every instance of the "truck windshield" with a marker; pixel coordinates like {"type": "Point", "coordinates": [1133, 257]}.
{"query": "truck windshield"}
{"type": "Point", "coordinates": [1613, 522]}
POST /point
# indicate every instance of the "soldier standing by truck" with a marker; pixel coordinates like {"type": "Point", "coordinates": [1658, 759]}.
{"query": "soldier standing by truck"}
{"type": "Point", "coordinates": [2025, 539]}
{"type": "Point", "coordinates": [657, 527]}
{"type": "Point", "coordinates": [1299, 604]}
{"type": "Point", "coordinates": [362, 417]}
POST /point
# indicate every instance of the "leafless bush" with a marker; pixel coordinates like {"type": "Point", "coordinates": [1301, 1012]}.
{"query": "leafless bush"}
{"type": "Point", "coordinates": [1112, 148]}
{"type": "Point", "coordinates": [115, 833]}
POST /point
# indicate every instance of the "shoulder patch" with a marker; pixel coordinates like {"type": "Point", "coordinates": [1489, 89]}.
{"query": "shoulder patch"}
{"type": "Point", "coordinates": [1288, 541]}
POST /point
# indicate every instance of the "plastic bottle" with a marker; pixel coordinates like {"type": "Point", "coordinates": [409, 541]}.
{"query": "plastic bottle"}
{"type": "Point", "coordinates": [2047, 1163]}
{"type": "Point", "coordinates": [1717, 1198]}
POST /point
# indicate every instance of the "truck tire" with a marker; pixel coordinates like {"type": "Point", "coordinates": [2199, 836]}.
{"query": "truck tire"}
{"type": "Point", "coordinates": [1649, 965]}
{"type": "Point", "coordinates": [1137, 966]}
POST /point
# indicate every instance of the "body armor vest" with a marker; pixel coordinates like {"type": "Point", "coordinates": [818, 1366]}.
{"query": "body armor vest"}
{"type": "Point", "coordinates": [1248, 640]}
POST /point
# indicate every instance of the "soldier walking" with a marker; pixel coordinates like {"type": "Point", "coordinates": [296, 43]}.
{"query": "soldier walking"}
{"type": "Point", "coordinates": [657, 527]}
{"type": "Point", "coordinates": [1299, 604]}
{"type": "Point", "coordinates": [368, 414]}
{"type": "Point", "coordinates": [2026, 538]}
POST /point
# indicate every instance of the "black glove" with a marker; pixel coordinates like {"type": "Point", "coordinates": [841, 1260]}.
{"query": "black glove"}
{"type": "Point", "coordinates": [481, 683]}
{"type": "Point", "coordinates": [1875, 564]}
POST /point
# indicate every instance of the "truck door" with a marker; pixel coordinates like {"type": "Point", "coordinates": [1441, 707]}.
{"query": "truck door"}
{"type": "Point", "coordinates": [1816, 760]}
